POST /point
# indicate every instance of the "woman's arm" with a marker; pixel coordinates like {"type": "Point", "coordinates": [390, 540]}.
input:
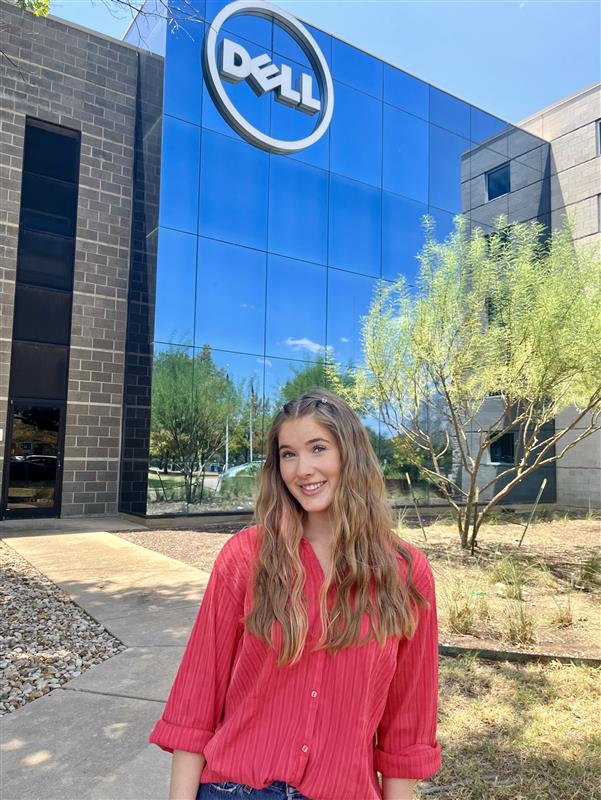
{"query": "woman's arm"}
{"type": "Point", "coordinates": [398, 788]}
{"type": "Point", "coordinates": [185, 775]}
{"type": "Point", "coordinates": [406, 746]}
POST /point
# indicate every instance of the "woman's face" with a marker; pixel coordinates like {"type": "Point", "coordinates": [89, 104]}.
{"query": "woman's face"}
{"type": "Point", "coordinates": [310, 463]}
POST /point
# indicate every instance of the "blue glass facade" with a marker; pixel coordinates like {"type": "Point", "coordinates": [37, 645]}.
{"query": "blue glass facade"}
{"type": "Point", "coordinates": [268, 261]}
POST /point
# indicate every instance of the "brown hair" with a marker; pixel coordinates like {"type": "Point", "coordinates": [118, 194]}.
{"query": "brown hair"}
{"type": "Point", "coordinates": [364, 544]}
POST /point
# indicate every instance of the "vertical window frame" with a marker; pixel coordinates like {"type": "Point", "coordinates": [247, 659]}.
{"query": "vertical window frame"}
{"type": "Point", "coordinates": [499, 449]}
{"type": "Point", "coordinates": [487, 176]}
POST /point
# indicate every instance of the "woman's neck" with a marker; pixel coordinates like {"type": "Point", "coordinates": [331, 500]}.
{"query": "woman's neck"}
{"type": "Point", "coordinates": [318, 527]}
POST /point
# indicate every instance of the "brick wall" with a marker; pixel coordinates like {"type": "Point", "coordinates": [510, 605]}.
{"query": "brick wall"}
{"type": "Point", "coordinates": [570, 127]}
{"type": "Point", "coordinates": [73, 77]}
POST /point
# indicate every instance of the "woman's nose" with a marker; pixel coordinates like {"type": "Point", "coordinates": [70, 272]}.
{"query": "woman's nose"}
{"type": "Point", "coordinates": [304, 467]}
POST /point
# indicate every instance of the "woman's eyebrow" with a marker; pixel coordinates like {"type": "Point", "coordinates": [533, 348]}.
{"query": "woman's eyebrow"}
{"type": "Point", "coordinates": [311, 441]}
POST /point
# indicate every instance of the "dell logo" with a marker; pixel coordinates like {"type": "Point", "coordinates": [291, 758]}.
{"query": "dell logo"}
{"type": "Point", "coordinates": [227, 61]}
{"type": "Point", "coordinates": [264, 76]}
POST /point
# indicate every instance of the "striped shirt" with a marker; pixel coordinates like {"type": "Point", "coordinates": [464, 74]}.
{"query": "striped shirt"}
{"type": "Point", "coordinates": [326, 724]}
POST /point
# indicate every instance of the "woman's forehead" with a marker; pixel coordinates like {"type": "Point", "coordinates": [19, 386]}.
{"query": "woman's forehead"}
{"type": "Point", "coordinates": [302, 430]}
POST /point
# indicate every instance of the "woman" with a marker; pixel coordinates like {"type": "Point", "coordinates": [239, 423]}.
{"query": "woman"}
{"type": "Point", "coordinates": [312, 664]}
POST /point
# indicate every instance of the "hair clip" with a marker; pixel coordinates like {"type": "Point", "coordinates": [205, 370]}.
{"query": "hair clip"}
{"type": "Point", "coordinates": [323, 399]}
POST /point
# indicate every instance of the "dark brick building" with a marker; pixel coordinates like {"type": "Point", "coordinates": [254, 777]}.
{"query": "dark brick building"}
{"type": "Point", "coordinates": [78, 197]}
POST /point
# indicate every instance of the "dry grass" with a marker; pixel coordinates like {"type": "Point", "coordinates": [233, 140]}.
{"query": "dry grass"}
{"type": "Point", "coordinates": [544, 596]}
{"type": "Point", "coordinates": [513, 732]}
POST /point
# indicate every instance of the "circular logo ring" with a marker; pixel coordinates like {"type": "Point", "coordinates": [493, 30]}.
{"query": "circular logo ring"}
{"type": "Point", "coordinates": [311, 49]}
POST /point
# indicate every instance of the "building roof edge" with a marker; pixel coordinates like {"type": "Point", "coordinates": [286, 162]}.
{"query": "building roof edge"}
{"type": "Point", "coordinates": [558, 103]}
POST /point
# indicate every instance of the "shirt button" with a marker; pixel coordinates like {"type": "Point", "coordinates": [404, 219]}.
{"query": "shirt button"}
{"type": "Point", "coordinates": [313, 694]}
{"type": "Point", "coordinates": [304, 748]}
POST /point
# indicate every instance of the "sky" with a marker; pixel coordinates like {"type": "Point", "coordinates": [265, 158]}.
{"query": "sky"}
{"type": "Point", "coordinates": [510, 57]}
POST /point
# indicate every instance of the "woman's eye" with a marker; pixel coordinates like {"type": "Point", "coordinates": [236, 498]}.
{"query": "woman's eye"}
{"type": "Point", "coordinates": [318, 448]}
{"type": "Point", "coordinates": [285, 454]}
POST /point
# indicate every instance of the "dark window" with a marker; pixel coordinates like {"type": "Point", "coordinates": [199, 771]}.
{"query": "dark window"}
{"type": "Point", "coordinates": [501, 451]}
{"type": "Point", "coordinates": [48, 204]}
{"type": "Point", "coordinates": [42, 315]}
{"type": "Point", "coordinates": [51, 151]}
{"type": "Point", "coordinates": [598, 133]}
{"type": "Point", "coordinates": [497, 182]}
{"type": "Point", "coordinates": [38, 371]}
{"type": "Point", "coordinates": [45, 259]}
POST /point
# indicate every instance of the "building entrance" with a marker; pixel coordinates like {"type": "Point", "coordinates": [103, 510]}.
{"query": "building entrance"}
{"type": "Point", "coordinates": [34, 450]}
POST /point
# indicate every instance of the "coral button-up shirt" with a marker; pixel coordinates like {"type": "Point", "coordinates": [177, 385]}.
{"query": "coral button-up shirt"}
{"type": "Point", "coordinates": [325, 724]}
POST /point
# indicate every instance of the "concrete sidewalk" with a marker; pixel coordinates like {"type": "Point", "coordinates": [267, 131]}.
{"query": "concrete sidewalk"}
{"type": "Point", "coordinates": [88, 738]}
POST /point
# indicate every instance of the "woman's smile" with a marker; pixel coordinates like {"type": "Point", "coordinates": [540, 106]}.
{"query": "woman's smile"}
{"type": "Point", "coordinates": [312, 488]}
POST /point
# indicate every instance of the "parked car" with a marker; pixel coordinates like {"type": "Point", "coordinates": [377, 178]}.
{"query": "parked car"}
{"type": "Point", "coordinates": [240, 473]}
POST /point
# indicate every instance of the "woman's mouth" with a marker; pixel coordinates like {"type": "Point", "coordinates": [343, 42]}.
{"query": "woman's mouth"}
{"type": "Point", "coordinates": [312, 488]}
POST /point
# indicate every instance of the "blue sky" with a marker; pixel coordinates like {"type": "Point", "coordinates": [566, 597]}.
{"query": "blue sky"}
{"type": "Point", "coordinates": [511, 58]}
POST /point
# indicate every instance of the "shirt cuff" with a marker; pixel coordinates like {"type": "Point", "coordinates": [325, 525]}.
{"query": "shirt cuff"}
{"type": "Point", "coordinates": [418, 762]}
{"type": "Point", "coordinates": [175, 737]}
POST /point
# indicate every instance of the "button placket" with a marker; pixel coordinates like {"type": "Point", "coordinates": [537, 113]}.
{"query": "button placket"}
{"type": "Point", "coordinates": [316, 679]}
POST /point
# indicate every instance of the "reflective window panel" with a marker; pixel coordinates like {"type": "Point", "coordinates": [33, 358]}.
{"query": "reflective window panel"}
{"type": "Point", "coordinates": [253, 29]}
{"type": "Point", "coordinates": [405, 154]}
{"type": "Point", "coordinates": [355, 226]}
{"type": "Point", "coordinates": [489, 130]}
{"type": "Point", "coordinates": [356, 68]}
{"type": "Point", "coordinates": [233, 191]}
{"type": "Point", "coordinates": [296, 308]}
{"type": "Point", "coordinates": [173, 438]}
{"type": "Point", "coordinates": [449, 112]}
{"type": "Point", "coordinates": [176, 286]}
{"type": "Point", "coordinates": [286, 379]}
{"type": "Point", "coordinates": [230, 297]}
{"type": "Point", "coordinates": [443, 223]}
{"type": "Point", "coordinates": [285, 46]}
{"type": "Point", "coordinates": [402, 236]}
{"type": "Point", "coordinates": [356, 135]}
{"type": "Point", "coordinates": [446, 152]}
{"type": "Point", "coordinates": [349, 298]}
{"type": "Point", "coordinates": [179, 175]}
{"type": "Point", "coordinates": [298, 210]}
{"type": "Point", "coordinates": [406, 92]}
{"type": "Point", "coordinates": [183, 98]}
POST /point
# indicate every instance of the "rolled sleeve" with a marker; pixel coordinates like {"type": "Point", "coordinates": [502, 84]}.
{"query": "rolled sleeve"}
{"type": "Point", "coordinates": [406, 736]}
{"type": "Point", "coordinates": [195, 703]}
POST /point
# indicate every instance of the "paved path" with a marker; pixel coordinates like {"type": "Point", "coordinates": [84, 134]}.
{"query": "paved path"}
{"type": "Point", "coordinates": [88, 738]}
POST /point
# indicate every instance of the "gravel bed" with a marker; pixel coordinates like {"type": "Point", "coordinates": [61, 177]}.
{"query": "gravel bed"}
{"type": "Point", "coordinates": [45, 638]}
{"type": "Point", "coordinates": [196, 548]}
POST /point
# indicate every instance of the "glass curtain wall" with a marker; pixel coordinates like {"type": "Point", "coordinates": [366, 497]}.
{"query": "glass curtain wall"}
{"type": "Point", "coordinates": [266, 263]}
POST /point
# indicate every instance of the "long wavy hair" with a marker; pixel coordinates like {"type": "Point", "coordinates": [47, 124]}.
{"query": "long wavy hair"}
{"type": "Point", "coordinates": [365, 549]}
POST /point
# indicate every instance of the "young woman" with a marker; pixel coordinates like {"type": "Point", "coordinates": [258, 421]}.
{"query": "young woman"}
{"type": "Point", "coordinates": [312, 664]}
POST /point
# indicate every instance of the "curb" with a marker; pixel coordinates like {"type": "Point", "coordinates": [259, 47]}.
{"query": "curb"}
{"type": "Point", "coordinates": [516, 656]}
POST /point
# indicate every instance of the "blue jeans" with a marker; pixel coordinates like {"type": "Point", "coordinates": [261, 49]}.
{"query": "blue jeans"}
{"type": "Point", "coordinates": [278, 790]}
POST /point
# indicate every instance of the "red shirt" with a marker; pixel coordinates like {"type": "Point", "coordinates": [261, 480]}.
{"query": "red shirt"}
{"type": "Point", "coordinates": [323, 725]}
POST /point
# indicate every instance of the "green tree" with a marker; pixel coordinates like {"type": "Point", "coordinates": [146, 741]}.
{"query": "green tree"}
{"type": "Point", "coordinates": [40, 8]}
{"type": "Point", "coordinates": [302, 379]}
{"type": "Point", "coordinates": [191, 400]}
{"type": "Point", "coordinates": [502, 334]}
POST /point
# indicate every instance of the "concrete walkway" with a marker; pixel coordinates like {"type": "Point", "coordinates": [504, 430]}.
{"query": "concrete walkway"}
{"type": "Point", "coordinates": [88, 738]}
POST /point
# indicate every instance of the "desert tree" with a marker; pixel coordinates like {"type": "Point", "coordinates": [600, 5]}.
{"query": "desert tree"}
{"type": "Point", "coordinates": [500, 335]}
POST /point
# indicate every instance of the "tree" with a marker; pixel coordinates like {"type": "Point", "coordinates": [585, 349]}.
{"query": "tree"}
{"type": "Point", "coordinates": [502, 334]}
{"type": "Point", "coordinates": [191, 401]}
{"type": "Point", "coordinates": [40, 8]}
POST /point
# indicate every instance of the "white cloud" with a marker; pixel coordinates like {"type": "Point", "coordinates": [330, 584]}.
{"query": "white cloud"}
{"type": "Point", "coordinates": [264, 361]}
{"type": "Point", "coordinates": [304, 344]}
{"type": "Point", "coordinates": [344, 339]}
